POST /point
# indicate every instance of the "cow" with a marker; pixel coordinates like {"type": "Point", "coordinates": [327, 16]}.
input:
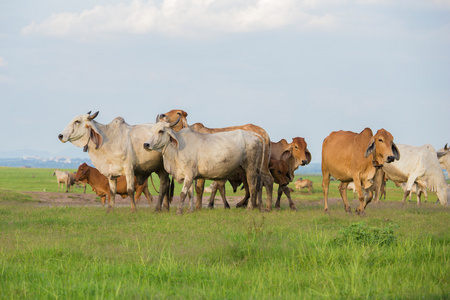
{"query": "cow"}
{"type": "Point", "coordinates": [294, 154]}
{"type": "Point", "coordinates": [116, 150]}
{"type": "Point", "coordinates": [237, 178]}
{"type": "Point", "coordinates": [415, 189]}
{"type": "Point", "coordinates": [418, 165]}
{"type": "Point", "coordinates": [351, 187]}
{"type": "Point", "coordinates": [190, 155]}
{"type": "Point", "coordinates": [100, 184]}
{"type": "Point", "coordinates": [62, 178]}
{"type": "Point", "coordinates": [357, 157]}
{"type": "Point", "coordinates": [304, 183]}
{"type": "Point", "coordinates": [444, 158]}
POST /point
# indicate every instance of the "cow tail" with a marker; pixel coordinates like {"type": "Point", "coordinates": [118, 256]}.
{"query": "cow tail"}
{"type": "Point", "coordinates": [171, 190]}
{"type": "Point", "coordinates": [259, 171]}
{"type": "Point", "coordinates": [151, 178]}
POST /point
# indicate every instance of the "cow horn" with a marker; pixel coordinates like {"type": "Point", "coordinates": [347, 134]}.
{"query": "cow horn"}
{"type": "Point", "coordinates": [446, 147]}
{"type": "Point", "coordinates": [157, 118]}
{"type": "Point", "coordinates": [89, 112]}
{"type": "Point", "coordinates": [176, 122]}
{"type": "Point", "coordinates": [92, 117]}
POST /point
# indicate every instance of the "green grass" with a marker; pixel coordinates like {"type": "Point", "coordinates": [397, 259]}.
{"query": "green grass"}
{"type": "Point", "coordinates": [395, 252]}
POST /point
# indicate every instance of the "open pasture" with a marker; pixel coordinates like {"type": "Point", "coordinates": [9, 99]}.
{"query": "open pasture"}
{"type": "Point", "coordinates": [79, 251]}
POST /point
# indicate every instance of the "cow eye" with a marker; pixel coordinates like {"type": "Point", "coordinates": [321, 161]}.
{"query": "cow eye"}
{"type": "Point", "coordinates": [161, 131]}
{"type": "Point", "coordinates": [77, 122]}
{"type": "Point", "coordinates": [380, 140]}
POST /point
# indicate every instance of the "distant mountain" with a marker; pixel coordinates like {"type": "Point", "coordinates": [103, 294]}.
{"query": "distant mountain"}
{"type": "Point", "coordinates": [39, 162]}
{"type": "Point", "coordinates": [309, 169]}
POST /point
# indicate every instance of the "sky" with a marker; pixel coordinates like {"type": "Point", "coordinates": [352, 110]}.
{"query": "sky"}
{"type": "Point", "coordinates": [296, 68]}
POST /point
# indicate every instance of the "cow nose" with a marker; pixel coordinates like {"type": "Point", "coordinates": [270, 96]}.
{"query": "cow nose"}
{"type": "Point", "coordinates": [60, 137]}
{"type": "Point", "coordinates": [304, 162]}
{"type": "Point", "coordinates": [390, 159]}
{"type": "Point", "coordinates": [146, 146]}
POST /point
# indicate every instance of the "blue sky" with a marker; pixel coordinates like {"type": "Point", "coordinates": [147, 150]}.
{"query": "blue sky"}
{"type": "Point", "coordinates": [295, 68]}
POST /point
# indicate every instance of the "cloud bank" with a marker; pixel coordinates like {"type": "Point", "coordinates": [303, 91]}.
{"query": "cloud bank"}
{"type": "Point", "coordinates": [188, 18]}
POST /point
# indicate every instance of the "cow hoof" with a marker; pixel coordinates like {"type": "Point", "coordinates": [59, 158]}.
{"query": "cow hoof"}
{"type": "Point", "coordinates": [293, 208]}
{"type": "Point", "coordinates": [211, 206]}
{"type": "Point", "coordinates": [326, 211]}
{"type": "Point", "coordinates": [179, 211]}
{"type": "Point", "coordinates": [110, 208]}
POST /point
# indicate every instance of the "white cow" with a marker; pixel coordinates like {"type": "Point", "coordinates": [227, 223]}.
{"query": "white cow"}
{"type": "Point", "coordinates": [62, 178]}
{"type": "Point", "coordinates": [190, 155]}
{"type": "Point", "coordinates": [418, 165]}
{"type": "Point", "coordinates": [444, 158]}
{"type": "Point", "coordinates": [116, 149]}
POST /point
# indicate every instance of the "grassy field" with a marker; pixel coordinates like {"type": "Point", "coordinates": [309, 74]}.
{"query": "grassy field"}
{"type": "Point", "coordinates": [69, 252]}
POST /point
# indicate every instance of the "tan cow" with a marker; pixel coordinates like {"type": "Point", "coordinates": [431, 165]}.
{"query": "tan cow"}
{"type": "Point", "coordinates": [357, 157]}
{"type": "Point", "coordinates": [266, 176]}
{"type": "Point", "coordinates": [304, 183]}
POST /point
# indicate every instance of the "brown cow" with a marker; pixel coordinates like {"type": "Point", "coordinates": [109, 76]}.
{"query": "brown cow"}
{"type": "Point", "coordinates": [100, 184]}
{"type": "Point", "coordinates": [357, 157]}
{"type": "Point", "coordinates": [295, 154]}
{"type": "Point", "coordinates": [304, 183]}
{"type": "Point", "coordinates": [267, 179]}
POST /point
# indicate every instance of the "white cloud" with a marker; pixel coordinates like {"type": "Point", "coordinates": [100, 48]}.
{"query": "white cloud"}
{"type": "Point", "coordinates": [187, 18]}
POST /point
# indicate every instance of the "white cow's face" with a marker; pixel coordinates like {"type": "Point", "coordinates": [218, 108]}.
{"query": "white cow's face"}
{"type": "Point", "coordinates": [160, 136]}
{"type": "Point", "coordinates": [79, 130]}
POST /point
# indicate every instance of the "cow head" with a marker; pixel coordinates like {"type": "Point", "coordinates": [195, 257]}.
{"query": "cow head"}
{"type": "Point", "coordinates": [444, 157]}
{"type": "Point", "coordinates": [382, 147]}
{"type": "Point", "coordinates": [297, 149]}
{"type": "Point", "coordinates": [280, 172]}
{"type": "Point", "coordinates": [82, 172]}
{"type": "Point", "coordinates": [161, 134]}
{"type": "Point", "coordinates": [81, 130]}
{"type": "Point", "coordinates": [172, 116]}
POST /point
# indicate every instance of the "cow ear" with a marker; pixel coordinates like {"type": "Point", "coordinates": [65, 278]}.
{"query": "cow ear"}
{"type": "Point", "coordinates": [286, 154]}
{"type": "Point", "coordinates": [173, 139]}
{"type": "Point", "coordinates": [370, 148]}
{"type": "Point", "coordinates": [395, 151]}
{"type": "Point", "coordinates": [95, 137]}
{"type": "Point", "coordinates": [308, 156]}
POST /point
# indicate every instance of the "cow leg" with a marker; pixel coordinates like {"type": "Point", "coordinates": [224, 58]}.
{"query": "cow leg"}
{"type": "Point", "coordinates": [252, 182]}
{"type": "Point", "coordinates": [288, 195]}
{"type": "Point", "coordinates": [343, 192]}
{"type": "Point", "coordinates": [360, 209]}
{"type": "Point", "coordinates": [325, 186]}
{"type": "Point", "coordinates": [213, 195]}
{"type": "Point", "coordinates": [218, 185]}
{"type": "Point", "coordinates": [280, 193]}
{"type": "Point", "coordinates": [191, 198]}
{"type": "Point", "coordinates": [268, 183]}
{"type": "Point", "coordinates": [199, 188]}
{"type": "Point", "coordinates": [112, 193]}
{"type": "Point", "coordinates": [164, 187]}
{"type": "Point", "coordinates": [244, 202]}
{"type": "Point", "coordinates": [103, 199]}
{"type": "Point", "coordinates": [405, 195]}
{"type": "Point", "coordinates": [184, 192]}
{"type": "Point", "coordinates": [130, 188]}
{"type": "Point", "coordinates": [426, 195]}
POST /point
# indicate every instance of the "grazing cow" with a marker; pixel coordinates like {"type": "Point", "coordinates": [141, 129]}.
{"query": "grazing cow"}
{"type": "Point", "coordinates": [294, 154]}
{"type": "Point", "coordinates": [189, 155]}
{"type": "Point", "coordinates": [304, 183]}
{"type": "Point", "coordinates": [415, 189]}
{"type": "Point", "coordinates": [444, 158]}
{"type": "Point", "coordinates": [115, 150]}
{"type": "Point", "coordinates": [357, 157]}
{"type": "Point", "coordinates": [62, 178]}
{"type": "Point", "coordinates": [100, 184]}
{"type": "Point", "coordinates": [237, 178]}
{"type": "Point", "coordinates": [418, 165]}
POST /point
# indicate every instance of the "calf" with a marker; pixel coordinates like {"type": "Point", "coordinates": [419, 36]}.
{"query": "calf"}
{"type": "Point", "coordinates": [62, 178]}
{"type": "Point", "coordinates": [304, 183]}
{"type": "Point", "coordinates": [100, 184]}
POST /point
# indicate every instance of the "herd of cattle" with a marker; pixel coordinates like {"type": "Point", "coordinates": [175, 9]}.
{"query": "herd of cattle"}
{"type": "Point", "coordinates": [125, 156]}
